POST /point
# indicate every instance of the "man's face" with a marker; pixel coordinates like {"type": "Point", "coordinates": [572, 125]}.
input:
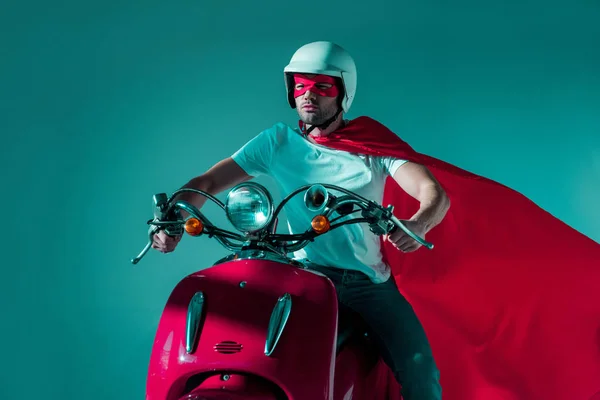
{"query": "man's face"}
{"type": "Point", "coordinates": [316, 97]}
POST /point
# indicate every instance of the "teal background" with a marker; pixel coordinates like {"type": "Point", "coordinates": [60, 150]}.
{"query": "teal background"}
{"type": "Point", "coordinates": [106, 103]}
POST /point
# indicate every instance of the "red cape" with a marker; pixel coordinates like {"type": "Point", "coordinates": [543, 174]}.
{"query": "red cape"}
{"type": "Point", "coordinates": [509, 296]}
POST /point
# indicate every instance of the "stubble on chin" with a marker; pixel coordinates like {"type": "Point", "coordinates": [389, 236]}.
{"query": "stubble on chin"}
{"type": "Point", "coordinates": [314, 118]}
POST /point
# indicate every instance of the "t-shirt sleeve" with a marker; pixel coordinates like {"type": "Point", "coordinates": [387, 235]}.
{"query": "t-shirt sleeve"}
{"type": "Point", "coordinates": [255, 156]}
{"type": "Point", "coordinates": [391, 164]}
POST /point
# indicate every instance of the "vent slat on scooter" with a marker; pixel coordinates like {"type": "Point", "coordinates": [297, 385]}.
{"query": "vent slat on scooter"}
{"type": "Point", "coordinates": [228, 347]}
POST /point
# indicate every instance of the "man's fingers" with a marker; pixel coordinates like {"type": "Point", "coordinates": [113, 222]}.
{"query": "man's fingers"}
{"type": "Point", "coordinates": [405, 241]}
{"type": "Point", "coordinates": [164, 243]}
{"type": "Point", "coordinates": [172, 239]}
{"type": "Point", "coordinates": [161, 242]}
{"type": "Point", "coordinates": [407, 248]}
{"type": "Point", "coordinates": [394, 237]}
{"type": "Point", "coordinates": [157, 242]}
{"type": "Point", "coordinates": [397, 237]}
{"type": "Point", "coordinates": [160, 237]}
{"type": "Point", "coordinates": [159, 246]}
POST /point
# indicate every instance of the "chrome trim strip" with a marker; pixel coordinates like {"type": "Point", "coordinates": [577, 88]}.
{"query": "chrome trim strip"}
{"type": "Point", "coordinates": [279, 318]}
{"type": "Point", "coordinates": [194, 316]}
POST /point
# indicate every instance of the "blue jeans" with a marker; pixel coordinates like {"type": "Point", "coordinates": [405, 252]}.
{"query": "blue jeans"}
{"type": "Point", "coordinates": [394, 327]}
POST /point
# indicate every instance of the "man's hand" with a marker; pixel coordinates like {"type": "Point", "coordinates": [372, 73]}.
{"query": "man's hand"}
{"type": "Point", "coordinates": [420, 184]}
{"type": "Point", "coordinates": [402, 241]}
{"type": "Point", "coordinates": [164, 243]}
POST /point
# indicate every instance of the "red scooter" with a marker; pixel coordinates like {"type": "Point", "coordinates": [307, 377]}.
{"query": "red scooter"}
{"type": "Point", "coordinates": [258, 324]}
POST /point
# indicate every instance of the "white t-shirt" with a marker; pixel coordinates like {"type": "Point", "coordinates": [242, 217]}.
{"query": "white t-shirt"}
{"type": "Point", "coordinates": [293, 161]}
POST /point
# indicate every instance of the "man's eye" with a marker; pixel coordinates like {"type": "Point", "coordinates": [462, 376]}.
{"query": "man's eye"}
{"type": "Point", "coordinates": [323, 86]}
{"type": "Point", "coordinates": [299, 86]}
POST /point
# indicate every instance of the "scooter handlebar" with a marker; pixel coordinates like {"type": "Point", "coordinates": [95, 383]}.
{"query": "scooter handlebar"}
{"type": "Point", "coordinates": [381, 220]}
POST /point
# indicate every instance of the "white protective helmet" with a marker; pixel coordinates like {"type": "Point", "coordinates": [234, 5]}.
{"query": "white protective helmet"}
{"type": "Point", "coordinates": [324, 58]}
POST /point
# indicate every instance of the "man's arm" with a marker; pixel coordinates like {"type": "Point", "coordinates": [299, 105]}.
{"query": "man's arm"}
{"type": "Point", "coordinates": [222, 176]}
{"type": "Point", "coordinates": [419, 183]}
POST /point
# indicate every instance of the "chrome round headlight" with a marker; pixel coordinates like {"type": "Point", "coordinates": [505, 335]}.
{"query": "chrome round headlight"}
{"type": "Point", "coordinates": [249, 207]}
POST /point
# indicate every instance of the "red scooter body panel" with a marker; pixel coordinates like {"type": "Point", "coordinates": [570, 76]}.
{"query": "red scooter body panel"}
{"type": "Point", "coordinates": [234, 328]}
{"type": "Point", "coordinates": [352, 366]}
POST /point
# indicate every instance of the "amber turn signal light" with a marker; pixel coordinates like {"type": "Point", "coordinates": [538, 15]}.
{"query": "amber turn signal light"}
{"type": "Point", "coordinates": [320, 224]}
{"type": "Point", "coordinates": [194, 226]}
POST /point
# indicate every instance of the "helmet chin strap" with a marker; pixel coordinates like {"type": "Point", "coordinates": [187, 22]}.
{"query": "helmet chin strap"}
{"type": "Point", "coordinates": [322, 126]}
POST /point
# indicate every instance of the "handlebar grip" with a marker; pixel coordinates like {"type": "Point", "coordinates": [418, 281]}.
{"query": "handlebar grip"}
{"type": "Point", "coordinates": [399, 224]}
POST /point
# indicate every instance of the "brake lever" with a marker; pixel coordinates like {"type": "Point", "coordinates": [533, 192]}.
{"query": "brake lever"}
{"type": "Point", "coordinates": [151, 232]}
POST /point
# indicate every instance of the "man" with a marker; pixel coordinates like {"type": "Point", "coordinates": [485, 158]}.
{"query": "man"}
{"type": "Point", "coordinates": [321, 85]}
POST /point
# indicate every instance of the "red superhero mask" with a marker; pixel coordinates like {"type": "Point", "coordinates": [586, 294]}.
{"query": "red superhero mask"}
{"type": "Point", "coordinates": [313, 84]}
